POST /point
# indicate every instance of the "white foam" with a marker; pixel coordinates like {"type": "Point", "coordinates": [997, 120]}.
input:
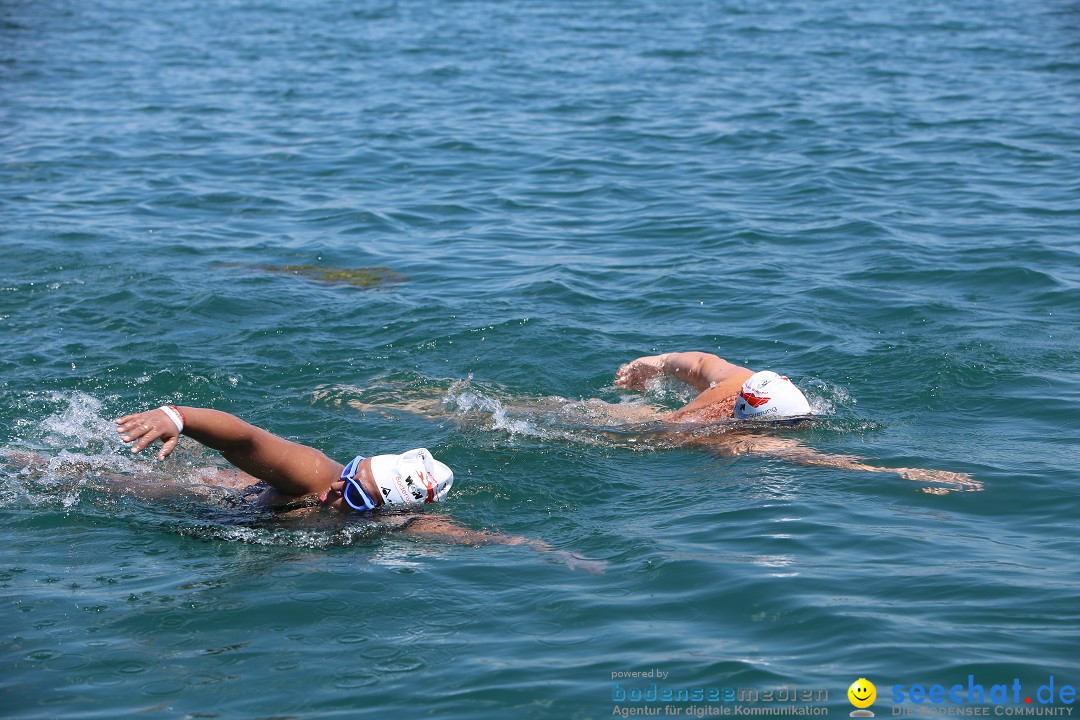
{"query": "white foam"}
{"type": "Point", "coordinates": [79, 420]}
{"type": "Point", "coordinates": [466, 402]}
{"type": "Point", "coordinates": [665, 387]}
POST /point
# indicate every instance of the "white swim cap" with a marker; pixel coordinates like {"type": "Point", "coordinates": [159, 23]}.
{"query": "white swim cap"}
{"type": "Point", "coordinates": [411, 477]}
{"type": "Point", "coordinates": [766, 395]}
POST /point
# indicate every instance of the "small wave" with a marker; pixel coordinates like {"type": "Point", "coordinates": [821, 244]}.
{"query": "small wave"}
{"type": "Point", "coordinates": [500, 418]}
{"type": "Point", "coordinates": [825, 398]}
{"type": "Point", "coordinates": [666, 389]}
{"type": "Point", "coordinates": [78, 420]}
{"type": "Point", "coordinates": [275, 533]}
{"type": "Point", "coordinates": [466, 403]}
{"type": "Point", "coordinates": [56, 456]}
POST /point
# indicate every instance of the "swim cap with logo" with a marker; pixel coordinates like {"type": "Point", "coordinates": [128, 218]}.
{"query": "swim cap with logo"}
{"type": "Point", "coordinates": [766, 395]}
{"type": "Point", "coordinates": [411, 477]}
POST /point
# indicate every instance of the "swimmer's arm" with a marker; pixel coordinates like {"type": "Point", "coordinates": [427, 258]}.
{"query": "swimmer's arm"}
{"type": "Point", "coordinates": [793, 451]}
{"type": "Point", "coordinates": [442, 529]}
{"type": "Point", "coordinates": [291, 468]}
{"type": "Point", "coordinates": [700, 370]}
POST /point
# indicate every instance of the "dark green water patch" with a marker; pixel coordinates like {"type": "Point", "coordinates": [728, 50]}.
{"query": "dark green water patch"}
{"type": "Point", "coordinates": [365, 277]}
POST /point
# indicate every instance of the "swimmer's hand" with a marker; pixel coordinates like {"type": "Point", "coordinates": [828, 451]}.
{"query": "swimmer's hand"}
{"type": "Point", "coordinates": [146, 427]}
{"type": "Point", "coordinates": [572, 560]}
{"type": "Point", "coordinates": [449, 531]}
{"type": "Point", "coordinates": [633, 374]}
{"type": "Point", "coordinates": [577, 562]}
{"type": "Point", "coordinates": [960, 481]}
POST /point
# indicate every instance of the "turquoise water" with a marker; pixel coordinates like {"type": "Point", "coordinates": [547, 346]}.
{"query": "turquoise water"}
{"type": "Point", "coordinates": [880, 201]}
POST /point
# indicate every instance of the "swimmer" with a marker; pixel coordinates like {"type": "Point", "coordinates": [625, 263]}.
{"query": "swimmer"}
{"type": "Point", "coordinates": [296, 475]}
{"type": "Point", "coordinates": [291, 470]}
{"type": "Point", "coordinates": [733, 413]}
{"type": "Point", "coordinates": [729, 391]}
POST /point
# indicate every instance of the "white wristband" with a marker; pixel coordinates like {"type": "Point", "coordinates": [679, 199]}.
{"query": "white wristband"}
{"type": "Point", "coordinates": [174, 416]}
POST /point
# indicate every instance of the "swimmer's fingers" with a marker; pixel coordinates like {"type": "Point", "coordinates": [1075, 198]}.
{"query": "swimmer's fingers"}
{"type": "Point", "coordinates": [142, 437]}
{"type": "Point", "coordinates": [929, 490]}
{"type": "Point", "coordinates": [577, 562]}
{"type": "Point", "coordinates": [962, 481]}
{"type": "Point", "coordinates": [623, 377]}
{"type": "Point", "coordinates": [167, 447]}
{"type": "Point", "coordinates": [572, 560]}
{"type": "Point", "coordinates": [129, 422]}
{"type": "Point", "coordinates": [126, 421]}
{"type": "Point", "coordinates": [142, 422]}
{"type": "Point", "coordinates": [144, 428]}
{"type": "Point", "coordinates": [633, 374]}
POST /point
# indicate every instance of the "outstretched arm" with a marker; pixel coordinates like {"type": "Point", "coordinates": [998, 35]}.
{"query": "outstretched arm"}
{"type": "Point", "coordinates": [291, 468]}
{"type": "Point", "coordinates": [442, 529]}
{"type": "Point", "coordinates": [792, 450]}
{"type": "Point", "coordinates": [702, 371]}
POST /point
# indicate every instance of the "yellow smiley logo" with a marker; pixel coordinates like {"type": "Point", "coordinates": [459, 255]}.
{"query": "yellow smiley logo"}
{"type": "Point", "coordinates": [862, 693]}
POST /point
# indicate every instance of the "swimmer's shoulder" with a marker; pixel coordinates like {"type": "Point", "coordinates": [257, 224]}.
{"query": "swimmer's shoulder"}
{"type": "Point", "coordinates": [709, 406]}
{"type": "Point", "coordinates": [273, 499]}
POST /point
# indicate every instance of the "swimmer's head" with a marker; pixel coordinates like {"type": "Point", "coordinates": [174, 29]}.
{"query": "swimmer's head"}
{"type": "Point", "coordinates": [411, 477]}
{"type": "Point", "coordinates": [768, 396]}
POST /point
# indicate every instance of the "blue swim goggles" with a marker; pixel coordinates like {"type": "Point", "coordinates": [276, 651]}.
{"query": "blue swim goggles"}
{"type": "Point", "coordinates": [354, 493]}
